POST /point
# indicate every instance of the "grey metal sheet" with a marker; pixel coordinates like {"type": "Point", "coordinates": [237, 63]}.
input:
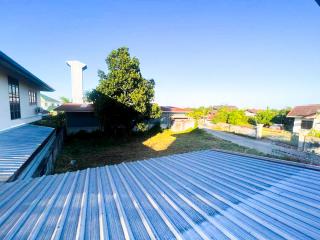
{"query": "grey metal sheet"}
{"type": "Point", "coordinates": [17, 145]}
{"type": "Point", "coordinates": [198, 195]}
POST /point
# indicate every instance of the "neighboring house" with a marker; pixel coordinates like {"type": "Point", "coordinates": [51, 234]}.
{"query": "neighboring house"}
{"type": "Point", "coordinates": [305, 117]}
{"type": "Point", "coordinates": [79, 117]}
{"type": "Point", "coordinates": [25, 149]}
{"type": "Point", "coordinates": [19, 94]}
{"type": "Point", "coordinates": [251, 112]}
{"type": "Point", "coordinates": [48, 103]}
{"type": "Point", "coordinates": [175, 118]}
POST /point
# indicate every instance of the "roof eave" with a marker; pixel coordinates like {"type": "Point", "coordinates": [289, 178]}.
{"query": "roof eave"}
{"type": "Point", "coordinates": [13, 66]}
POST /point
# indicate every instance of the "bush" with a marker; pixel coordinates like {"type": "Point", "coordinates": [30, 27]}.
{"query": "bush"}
{"type": "Point", "coordinates": [221, 116]}
{"type": "Point", "coordinates": [55, 121]}
{"type": "Point", "coordinates": [237, 117]}
{"type": "Point", "coordinates": [265, 117]}
{"type": "Point", "coordinates": [230, 116]}
{"type": "Point", "coordinates": [314, 133]}
{"type": "Point", "coordinates": [142, 127]}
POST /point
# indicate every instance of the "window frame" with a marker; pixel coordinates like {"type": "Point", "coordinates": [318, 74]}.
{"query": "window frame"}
{"type": "Point", "coordinates": [14, 98]}
{"type": "Point", "coordinates": [305, 124]}
{"type": "Point", "coordinates": [32, 97]}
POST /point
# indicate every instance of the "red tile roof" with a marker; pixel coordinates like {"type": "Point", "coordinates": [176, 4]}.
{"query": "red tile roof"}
{"type": "Point", "coordinates": [75, 107]}
{"type": "Point", "coordinates": [174, 109]}
{"type": "Point", "coordinates": [304, 111]}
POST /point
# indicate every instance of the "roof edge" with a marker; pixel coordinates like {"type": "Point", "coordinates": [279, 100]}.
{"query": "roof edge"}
{"type": "Point", "coordinates": [16, 67]}
{"type": "Point", "coordinates": [271, 159]}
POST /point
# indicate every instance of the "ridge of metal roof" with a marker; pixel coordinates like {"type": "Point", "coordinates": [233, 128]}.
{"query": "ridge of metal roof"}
{"type": "Point", "coordinates": [9, 63]}
{"type": "Point", "coordinates": [197, 195]}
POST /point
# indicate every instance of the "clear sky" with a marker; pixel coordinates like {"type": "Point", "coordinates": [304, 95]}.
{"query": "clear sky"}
{"type": "Point", "coordinates": [249, 53]}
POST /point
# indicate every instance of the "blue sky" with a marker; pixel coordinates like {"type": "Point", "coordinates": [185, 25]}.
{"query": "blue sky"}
{"type": "Point", "coordinates": [249, 53]}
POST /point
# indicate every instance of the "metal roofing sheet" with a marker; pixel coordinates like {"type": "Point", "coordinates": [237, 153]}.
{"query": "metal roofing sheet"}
{"type": "Point", "coordinates": [17, 145]}
{"type": "Point", "coordinates": [198, 195]}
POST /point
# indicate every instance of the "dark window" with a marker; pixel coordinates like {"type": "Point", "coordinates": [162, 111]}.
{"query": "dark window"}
{"type": "Point", "coordinates": [14, 98]}
{"type": "Point", "coordinates": [32, 97]}
{"type": "Point", "coordinates": [306, 124]}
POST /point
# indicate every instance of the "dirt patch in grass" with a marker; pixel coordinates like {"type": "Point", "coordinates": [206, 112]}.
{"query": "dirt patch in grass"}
{"type": "Point", "coordinates": [95, 150]}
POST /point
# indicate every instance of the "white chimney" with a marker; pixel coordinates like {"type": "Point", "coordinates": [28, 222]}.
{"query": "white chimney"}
{"type": "Point", "coordinates": [76, 80]}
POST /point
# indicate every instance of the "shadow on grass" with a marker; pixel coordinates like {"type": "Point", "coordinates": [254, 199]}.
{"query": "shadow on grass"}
{"type": "Point", "coordinates": [93, 150]}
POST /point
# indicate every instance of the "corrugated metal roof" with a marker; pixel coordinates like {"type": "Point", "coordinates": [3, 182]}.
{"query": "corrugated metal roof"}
{"type": "Point", "coordinates": [199, 195]}
{"type": "Point", "coordinates": [17, 145]}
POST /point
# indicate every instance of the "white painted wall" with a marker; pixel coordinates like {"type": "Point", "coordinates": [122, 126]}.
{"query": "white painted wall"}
{"type": "Point", "coordinates": [297, 125]}
{"type": "Point", "coordinates": [27, 111]}
{"type": "Point", "coordinates": [316, 123]}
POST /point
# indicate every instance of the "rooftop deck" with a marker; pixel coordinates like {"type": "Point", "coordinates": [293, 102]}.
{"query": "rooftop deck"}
{"type": "Point", "coordinates": [17, 145]}
{"type": "Point", "coordinates": [198, 195]}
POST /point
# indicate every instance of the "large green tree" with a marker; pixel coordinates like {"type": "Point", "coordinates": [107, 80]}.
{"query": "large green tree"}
{"type": "Point", "coordinates": [124, 97]}
{"type": "Point", "coordinates": [199, 113]}
{"type": "Point", "coordinates": [265, 117]}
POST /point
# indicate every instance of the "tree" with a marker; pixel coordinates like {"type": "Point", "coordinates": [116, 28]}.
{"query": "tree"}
{"type": "Point", "coordinates": [124, 93]}
{"type": "Point", "coordinates": [199, 113]}
{"type": "Point", "coordinates": [237, 117]}
{"type": "Point", "coordinates": [265, 117]}
{"type": "Point", "coordinates": [65, 99]}
{"type": "Point", "coordinates": [221, 116]}
{"type": "Point", "coordinates": [281, 116]}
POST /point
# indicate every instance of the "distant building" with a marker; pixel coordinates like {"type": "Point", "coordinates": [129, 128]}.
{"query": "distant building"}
{"type": "Point", "coordinates": [79, 117]}
{"type": "Point", "coordinates": [305, 117]}
{"type": "Point", "coordinates": [48, 103]}
{"type": "Point", "coordinates": [19, 94]}
{"type": "Point", "coordinates": [175, 118]}
{"type": "Point", "coordinates": [251, 112]}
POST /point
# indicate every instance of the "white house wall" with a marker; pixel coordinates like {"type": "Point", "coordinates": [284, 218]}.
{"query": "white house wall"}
{"type": "Point", "coordinates": [316, 123]}
{"type": "Point", "coordinates": [297, 125]}
{"type": "Point", "coordinates": [27, 111]}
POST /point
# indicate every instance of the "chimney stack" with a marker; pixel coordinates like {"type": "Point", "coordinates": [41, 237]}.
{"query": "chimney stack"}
{"type": "Point", "coordinates": [76, 80]}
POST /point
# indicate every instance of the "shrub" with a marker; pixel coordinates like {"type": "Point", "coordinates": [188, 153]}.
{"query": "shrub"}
{"type": "Point", "coordinates": [230, 116]}
{"type": "Point", "coordinates": [314, 133]}
{"type": "Point", "coordinates": [221, 116]}
{"type": "Point", "coordinates": [265, 117]}
{"type": "Point", "coordinates": [142, 127]}
{"type": "Point", "coordinates": [55, 121]}
{"type": "Point", "coordinates": [237, 117]}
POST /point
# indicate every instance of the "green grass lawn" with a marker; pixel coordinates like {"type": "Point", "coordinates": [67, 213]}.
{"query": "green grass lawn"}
{"type": "Point", "coordinates": [94, 150]}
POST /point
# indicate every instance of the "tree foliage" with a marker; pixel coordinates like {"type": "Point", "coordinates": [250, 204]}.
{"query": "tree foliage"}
{"type": "Point", "coordinates": [123, 97]}
{"type": "Point", "coordinates": [237, 117]}
{"type": "Point", "coordinates": [64, 99]}
{"type": "Point", "coordinates": [221, 115]}
{"type": "Point", "coordinates": [265, 117]}
{"type": "Point", "coordinates": [231, 116]}
{"type": "Point", "coordinates": [199, 113]}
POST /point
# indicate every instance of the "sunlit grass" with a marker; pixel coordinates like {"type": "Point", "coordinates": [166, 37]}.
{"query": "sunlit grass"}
{"type": "Point", "coordinates": [93, 151]}
{"type": "Point", "coordinates": [160, 142]}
